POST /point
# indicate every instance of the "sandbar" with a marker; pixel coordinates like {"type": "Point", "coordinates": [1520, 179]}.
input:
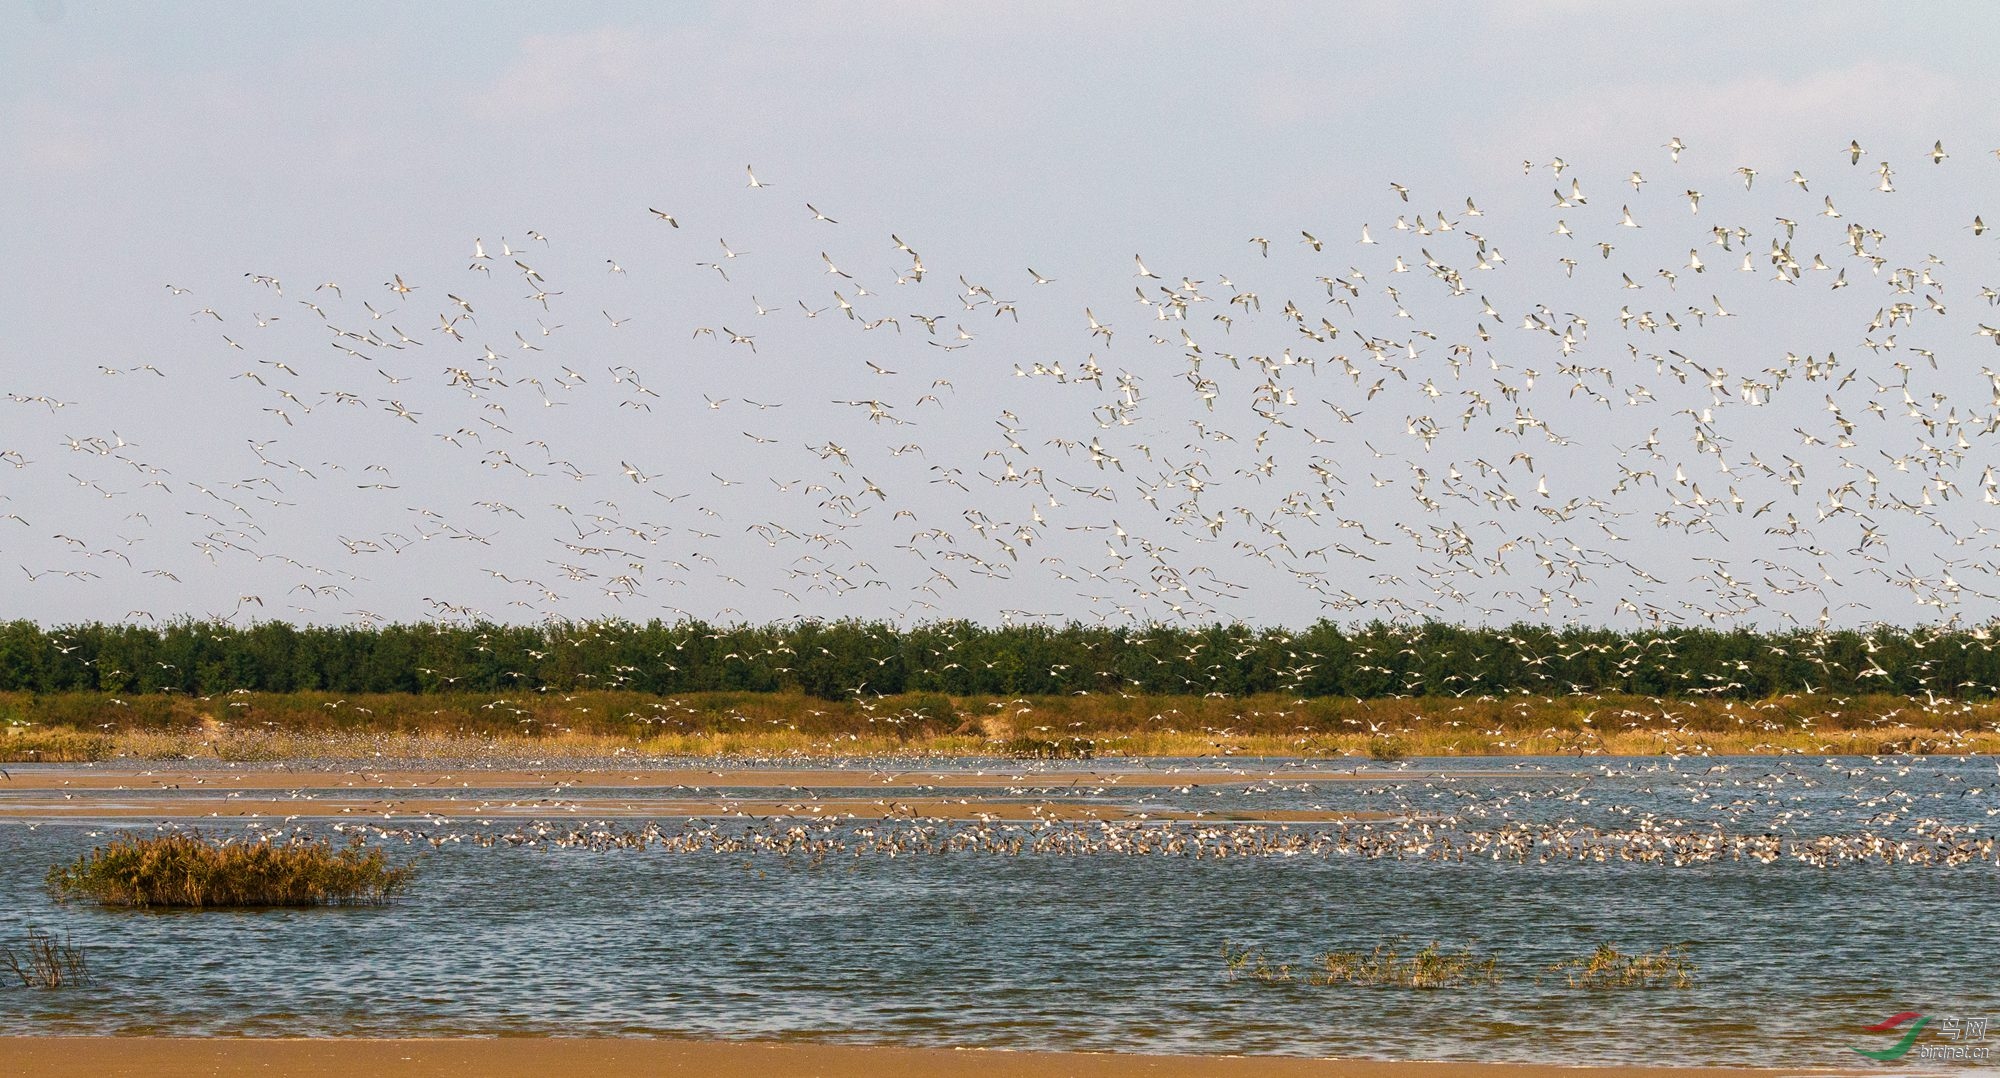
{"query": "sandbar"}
{"type": "Point", "coordinates": [270, 778]}
{"type": "Point", "coordinates": [104, 804]}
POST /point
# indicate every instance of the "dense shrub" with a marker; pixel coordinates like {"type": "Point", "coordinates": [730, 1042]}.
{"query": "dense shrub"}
{"type": "Point", "coordinates": [855, 659]}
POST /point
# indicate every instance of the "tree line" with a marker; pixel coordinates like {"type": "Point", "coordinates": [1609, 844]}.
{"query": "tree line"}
{"type": "Point", "coordinates": [842, 659]}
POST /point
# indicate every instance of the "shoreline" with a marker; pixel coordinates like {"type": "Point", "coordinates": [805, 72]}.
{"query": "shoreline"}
{"type": "Point", "coordinates": [263, 776]}
{"type": "Point", "coordinates": [88, 792]}
{"type": "Point", "coordinates": [841, 810]}
{"type": "Point", "coordinates": [520, 727]}
{"type": "Point", "coordinates": [548, 1057]}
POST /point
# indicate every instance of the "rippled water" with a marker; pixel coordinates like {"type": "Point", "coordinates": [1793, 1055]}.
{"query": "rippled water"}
{"type": "Point", "coordinates": [1110, 952]}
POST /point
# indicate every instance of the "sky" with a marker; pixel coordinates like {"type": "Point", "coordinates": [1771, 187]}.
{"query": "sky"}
{"type": "Point", "coordinates": [365, 313]}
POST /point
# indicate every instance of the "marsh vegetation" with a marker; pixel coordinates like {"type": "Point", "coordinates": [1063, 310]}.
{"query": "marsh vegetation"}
{"type": "Point", "coordinates": [41, 961]}
{"type": "Point", "coordinates": [82, 726]}
{"type": "Point", "coordinates": [188, 870]}
{"type": "Point", "coordinates": [1608, 967]}
{"type": "Point", "coordinates": [1431, 966]}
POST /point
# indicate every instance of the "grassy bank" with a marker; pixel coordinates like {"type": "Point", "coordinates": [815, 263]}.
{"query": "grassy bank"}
{"type": "Point", "coordinates": [75, 727]}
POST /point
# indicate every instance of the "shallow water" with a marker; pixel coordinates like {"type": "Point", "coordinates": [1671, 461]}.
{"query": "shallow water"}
{"type": "Point", "coordinates": [1110, 951]}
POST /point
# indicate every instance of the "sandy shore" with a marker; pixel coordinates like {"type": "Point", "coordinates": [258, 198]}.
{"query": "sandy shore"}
{"type": "Point", "coordinates": [272, 778]}
{"type": "Point", "coordinates": [78, 793]}
{"type": "Point", "coordinates": [106, 805]}
{"type": "Point", "coordinates": [117, 1057]}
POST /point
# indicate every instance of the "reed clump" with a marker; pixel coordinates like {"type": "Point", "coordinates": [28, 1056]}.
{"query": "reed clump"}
{"type": "Point", "coordinates": [187, 870]}
{"type": "Point", "coordinates": [54, 746]}
{"type": "Point", "coordinates": [1049, 748]}
{"type": "Point", "coordinates": [42, 962]}
{"type": "Point", "coordinates": [1387, 748]}
{"type": "Point", "coordinates": [1383, 967]}
{"type": "Point", "coordinates": [1430, 967]}
{"type": "Point", "coordinates": [1251, 962]}
{"type": "Point", "coordinates": [1608, 967]}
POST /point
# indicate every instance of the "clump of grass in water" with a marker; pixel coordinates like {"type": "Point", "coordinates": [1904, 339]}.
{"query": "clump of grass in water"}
{"type": "Point", "coordinates": [44, 963]}
{"type": "Point", "coordinates": [189, 871]}
{"type": "Point", "coordinates": [1248, 961]}
{"type": "Point", "coordinates": [1608, 967]}
{"type": "Point", "coordinates": [1431, 967]}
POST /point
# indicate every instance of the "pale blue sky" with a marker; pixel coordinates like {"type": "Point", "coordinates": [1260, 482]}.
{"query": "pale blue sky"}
{"type": "Point", "coordinates": [143, 146]}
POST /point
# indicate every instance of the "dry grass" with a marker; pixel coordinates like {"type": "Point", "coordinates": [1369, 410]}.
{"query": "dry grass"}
{"type": "Point", "coordinates": [1049, 748]}
{"type": "Point", "coordinates": [253, 727]}
{"type": "Point", "coordinates": [189, 871]}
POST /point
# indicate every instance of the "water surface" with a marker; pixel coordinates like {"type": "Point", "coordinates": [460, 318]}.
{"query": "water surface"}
{"type": "Point", "coordinates": [1108, 951]}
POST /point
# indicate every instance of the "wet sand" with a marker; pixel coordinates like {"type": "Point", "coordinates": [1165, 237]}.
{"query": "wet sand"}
{"type": "Point", "coordinates": [273, 778]}
{"type": "Point", "coordinates": [79, 793]}
{"type": "Point", "coordinates": [95, 805]}
{"type": "Point", "coordinates": [130, 1057]}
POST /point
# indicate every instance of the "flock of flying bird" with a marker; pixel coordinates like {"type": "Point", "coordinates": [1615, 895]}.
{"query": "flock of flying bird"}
{"type": "Point", "coordinates": [1824, 815]}
{"type": "Point", "coordinates": [1640, 402]}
